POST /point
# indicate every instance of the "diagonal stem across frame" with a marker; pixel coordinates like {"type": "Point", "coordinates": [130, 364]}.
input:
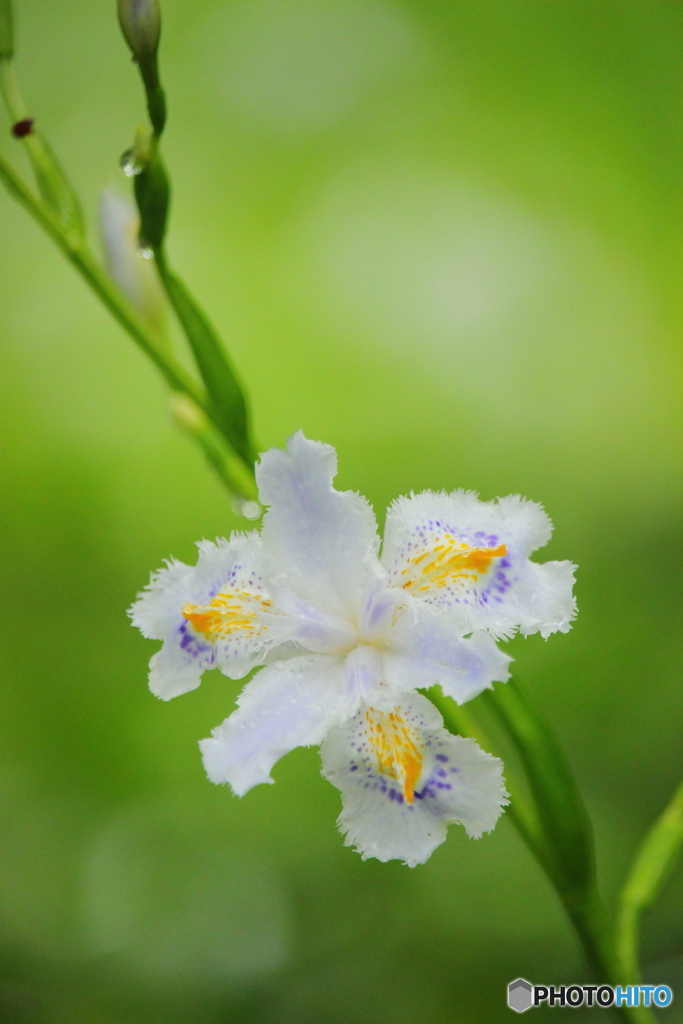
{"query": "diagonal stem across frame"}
{"type": "Point", "coordinates": [555, 826]}
{"type": "Point", "coordinates": [80, 256]}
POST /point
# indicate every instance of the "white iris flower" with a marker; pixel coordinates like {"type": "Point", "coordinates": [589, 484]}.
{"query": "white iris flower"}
{"type": "Point", "coordinates": [346, 636]}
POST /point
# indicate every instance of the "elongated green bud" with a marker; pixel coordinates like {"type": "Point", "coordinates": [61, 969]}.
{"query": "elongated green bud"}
{"type": "Point", "coordinates": [140, 22]}
{"type": "Point", "coordinates": [6, 30]}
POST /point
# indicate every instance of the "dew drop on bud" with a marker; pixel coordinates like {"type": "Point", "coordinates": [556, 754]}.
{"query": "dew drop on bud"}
{"type": "Point", "coordinates": [129, 164]}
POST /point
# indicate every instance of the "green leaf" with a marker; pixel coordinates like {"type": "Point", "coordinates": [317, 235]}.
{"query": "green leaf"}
{"type": "Point", "coordinates": [522, 813]}
{"type": "Point", "coordinates": [228, 405]}
{"type": "Point", "coordinates": [560, 807]}
{"type": "Point", "coordinates": [652, 866]}
{"type": "Point", "coordinates": [566, 827]}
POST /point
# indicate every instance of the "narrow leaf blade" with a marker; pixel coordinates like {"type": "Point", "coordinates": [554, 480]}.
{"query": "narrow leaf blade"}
{"type": "Point", "coordinates": [653, 864]}
{"type": "Point", "coordinates": [560, 807]}
{"type": "Point", "coordinates": [227, 399]}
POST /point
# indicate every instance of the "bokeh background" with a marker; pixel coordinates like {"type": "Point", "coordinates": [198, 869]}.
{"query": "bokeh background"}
{"type": "Point", "coordinates": [445, 236]}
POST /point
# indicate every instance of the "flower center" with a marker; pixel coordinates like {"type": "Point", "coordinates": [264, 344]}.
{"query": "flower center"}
{"type": "Point", "coordinates": [446, 560]}
{"type": "Point", "coordinates": [396, 747]}
{"type": "Point", "coordinates": [230, 611]}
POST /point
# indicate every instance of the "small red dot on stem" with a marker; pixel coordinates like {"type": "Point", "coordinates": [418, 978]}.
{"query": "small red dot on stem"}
{"type": "Point", "coordinates": [22, 128]}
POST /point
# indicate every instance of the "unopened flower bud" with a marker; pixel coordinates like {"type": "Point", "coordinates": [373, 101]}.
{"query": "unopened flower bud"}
{"type": "Point", "coordinates": [6, 30]}
{"type": "Point", "coordinates": [140, 23]}
{"type": "Point", "coordinates": [136, 276]}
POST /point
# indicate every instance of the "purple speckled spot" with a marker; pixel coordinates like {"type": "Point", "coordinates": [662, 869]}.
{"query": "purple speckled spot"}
{"type": "Point", "coordinates": [442, 757]}
{"type": "Point", "coordinates": [353, 768]}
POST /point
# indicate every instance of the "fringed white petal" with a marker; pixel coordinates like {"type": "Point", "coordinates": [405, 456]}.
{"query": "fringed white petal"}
{"type": "Point", "coordinates": [217, 613]}
{"type": "Point", "coordinates": [286, 705]}
{"type": "Point", "coordinates": [320, 545]}
{"type": "Point", "coordinates": [404, 779]}
{"type": "Point", "coordinates": [470, 558]}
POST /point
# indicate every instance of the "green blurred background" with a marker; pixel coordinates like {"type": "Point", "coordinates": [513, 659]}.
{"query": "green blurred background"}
{"type": "Point", "coordinates": [446, 237]}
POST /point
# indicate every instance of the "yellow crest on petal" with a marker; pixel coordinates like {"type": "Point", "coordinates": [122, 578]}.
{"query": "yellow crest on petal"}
{"type": "Point", "coordinates": [229, 612]}
{"type": "Point", "coordinates": [444, 561]}
{"type": "Point", "coordinates": [397, 747]}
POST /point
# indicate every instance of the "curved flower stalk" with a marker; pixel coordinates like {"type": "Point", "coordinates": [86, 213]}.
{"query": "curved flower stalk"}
{"type": "Point", "coordinates": [345, 637]}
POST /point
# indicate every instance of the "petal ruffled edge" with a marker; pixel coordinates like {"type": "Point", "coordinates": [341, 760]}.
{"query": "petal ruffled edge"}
{"type": "Point", "coordinates": [459, 782]}
{"type": "Point", "coordinates": [187, 652]}
{"type": "Point", "coordinates": [320, 544]}
{"type": "Point", "coordinates": [470, 559]}
{"type": "Point", "coordinates": [286, 705]}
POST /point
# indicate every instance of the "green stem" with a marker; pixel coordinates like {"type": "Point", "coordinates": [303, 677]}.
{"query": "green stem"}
{"type": "Point", "coordinates": [230, 467]}
{"type": "Point", "coordinates": [83, 260]}
{"type": "Point", "coordinates": [654, 862]}
{"type": "Point", "coordinates": [155, 95]}
{"type": "Point", "coordinates": [520, 810]}
{"type": "Point", "coordinates": [54, 186]}
{"type": "Point", "coordinates": [58, 212]}
{"type": "Point", "coordinates": [104, 288]}
{"type": "Point", "coordinates": [554, 824]}
{"type": "Point", "coordinates": [11, 93]}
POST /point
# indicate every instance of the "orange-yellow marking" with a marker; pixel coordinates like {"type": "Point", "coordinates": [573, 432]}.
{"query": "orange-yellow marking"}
{"type": "Point", "coordinates": [396, 747]}
{"type": "Point", "coordinates": [228, 612]}
{"type": "Point", "coordinates": [448, 560]}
